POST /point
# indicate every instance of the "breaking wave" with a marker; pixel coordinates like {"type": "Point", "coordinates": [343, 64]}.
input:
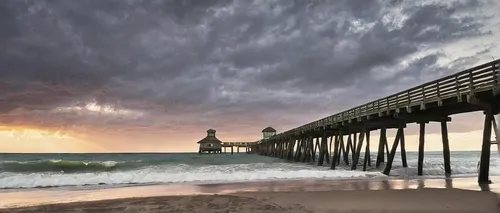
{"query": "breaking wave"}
{"type": "Point", "coordinates": [178, 174]}
{"type": "Point", "coordinates": [64, 166]}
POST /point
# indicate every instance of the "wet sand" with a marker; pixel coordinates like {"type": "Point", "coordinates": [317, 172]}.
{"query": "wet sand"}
{"type": "Point", "coordinates": [417, 195]}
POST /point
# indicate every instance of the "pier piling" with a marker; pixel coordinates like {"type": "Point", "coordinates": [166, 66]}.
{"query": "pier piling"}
{"type": "Point", "coordinates": [446, 148]}
{"type": "Point", "coordinates": [421, 144]}
{"type": "Point", "coordinates": [471, 90]}
{"type": "Point", "coordinates": [484, 168]}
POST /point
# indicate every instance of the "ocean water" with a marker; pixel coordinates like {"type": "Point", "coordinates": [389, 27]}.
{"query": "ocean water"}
{"type": "Point", "coordinates": [55, 170]}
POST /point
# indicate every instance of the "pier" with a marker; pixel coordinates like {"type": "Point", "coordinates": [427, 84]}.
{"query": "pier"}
{"type": "Point", "coordinates": [247, 145]}
{"type": "Point", "coordinates": [345, 136]}
{"type": "Point", "coordinates": [211, 144]}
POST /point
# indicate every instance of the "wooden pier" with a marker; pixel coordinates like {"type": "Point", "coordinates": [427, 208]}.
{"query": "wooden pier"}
{"type": "Point", "coordinates": [247, 145]}
{"type": "Point", "coordinates": [343, 137]}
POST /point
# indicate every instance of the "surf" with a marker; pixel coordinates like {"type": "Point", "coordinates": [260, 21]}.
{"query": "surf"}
{"type": "Point", "coordinates": [63, 166]}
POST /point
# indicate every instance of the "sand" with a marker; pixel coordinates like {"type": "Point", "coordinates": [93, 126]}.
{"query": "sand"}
{"type": "Point", "coordinates": [414, 195]}
{"type": "Point", "coordinates": [407, 200]}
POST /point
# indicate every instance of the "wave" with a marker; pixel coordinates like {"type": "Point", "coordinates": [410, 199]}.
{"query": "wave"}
{"type": "Point", "coordinates": [64, 166]}
{"type": "Point", "coordinates": [179, 174]}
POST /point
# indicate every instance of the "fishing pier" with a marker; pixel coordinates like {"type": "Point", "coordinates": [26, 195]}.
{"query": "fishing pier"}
{"type": "Point", "coordinates": [211, 144]}
{"type": "Point", "coordinates": [474, 89]}
{"type": "Point", "coordinates": [238, 145]}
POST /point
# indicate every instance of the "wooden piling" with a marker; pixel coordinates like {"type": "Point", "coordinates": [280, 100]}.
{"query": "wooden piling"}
{"type": "Point", "coordinates": [484, 168]}
{"type": "Point", "coordinates": [391, 155]}
{"type": "Point", "coordinates": [336, 150]}
{"type": "Point", "coordinates": [298, 149]}
{"type": "Point", "coordinates": [446, 147]}
{"type": "Point", "coordinates": [291, 148]}
{"type": "Point", "coordinates": [314, 144]}
{"type": "Point", "coordinates": [347, 149]}
{"type": "Point", "coordinates": [322, 149]}
{"type": "Point", "coordinates": [381, 146]}
{"type": "Point", "coordinates": [330, 147]}
{"type": "Point", "coordinates": [327, 154]}
{"type": "Point", "coordinates": [354, 145]}
{"type": "Point", "coordinates": [232, 150]}
{"type": "Point", "coordinates": [367, 158]}
{"type": "Point", "coordinates": [421, 144]}
{"type": "Point", "coordinates": [403, 148]}
{"type": "Point", "coordinates": [357, 153]}
{"type": "Point", "coordinates": [342, 150]}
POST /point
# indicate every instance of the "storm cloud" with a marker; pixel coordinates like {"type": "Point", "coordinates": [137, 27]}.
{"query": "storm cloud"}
{"type": "Point", "coordinates": [161, 67]}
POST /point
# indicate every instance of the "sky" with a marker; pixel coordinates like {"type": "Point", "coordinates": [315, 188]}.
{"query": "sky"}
{"type": "Point", "coordinates": [154, 75]}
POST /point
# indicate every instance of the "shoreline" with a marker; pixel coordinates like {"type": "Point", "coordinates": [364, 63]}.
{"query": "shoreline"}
{"type": "Point", "coordinates": [406, 200]}
{"type": "Point", "coordinates": [355, 178]}
{"type": "Point", "coordinates": [10, 199]}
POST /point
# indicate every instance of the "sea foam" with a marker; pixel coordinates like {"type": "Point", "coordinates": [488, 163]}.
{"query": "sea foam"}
{"type": "Point", "coordinates": [179, 174]}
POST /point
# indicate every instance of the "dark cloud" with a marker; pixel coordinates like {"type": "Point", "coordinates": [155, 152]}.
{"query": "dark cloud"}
{"type": "Point", "coordinates": [162, 65]}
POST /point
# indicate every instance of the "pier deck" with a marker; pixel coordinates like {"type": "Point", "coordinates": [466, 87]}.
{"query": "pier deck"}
{"type": "Point", "coordinates": [474, 89]}
{"type": "Point", "coordinates": [247, 145]}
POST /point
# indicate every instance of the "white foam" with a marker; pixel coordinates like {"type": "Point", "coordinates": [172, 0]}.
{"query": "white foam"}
{"type": "Point", "coordinates": [180, 173]}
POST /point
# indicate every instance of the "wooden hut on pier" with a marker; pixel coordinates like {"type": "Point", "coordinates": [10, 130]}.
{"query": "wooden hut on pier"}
{"type": "Point", "coordinates": [210, 144]}
{"type": "Point", "coordinates": [268, 132]}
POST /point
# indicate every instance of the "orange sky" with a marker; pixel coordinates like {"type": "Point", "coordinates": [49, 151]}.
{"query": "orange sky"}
{"type": "Point", "coordinates": [158, 74]}
{"type": "Point", "coordinates": [33, 140]}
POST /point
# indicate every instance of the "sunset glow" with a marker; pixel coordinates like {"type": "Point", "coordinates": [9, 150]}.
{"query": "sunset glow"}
{"type": "Point", "coordinates": [153, 76]}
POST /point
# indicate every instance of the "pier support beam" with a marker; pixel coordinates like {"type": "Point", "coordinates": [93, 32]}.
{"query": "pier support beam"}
{"type": "Point", "coordinates": [382, 144]}
{"type": "Point", "coordinates": [390, 158]}
{"type": "Point", "coordinates": [323, 150]}
{"type": "Point", "coordinates": [446, 148]}
{"type": "Point", "coordinates": [421, 143]}
{"type": "Point", "coordinates": [403, 148]}
{"type": "Point", "coordinates": [367, 159]}
{"type": "Point", "coordinates": [354, 145]}
{"type": "Point", "coordinates": [357, 152]}
{"type": "Point", "coordinates": [484, 168]}
{"type": "Point", "coordinates": [337, 149]}
{"type": "Point", "coordinates": [348, 148]}
{"type": "Point", "coordinates": [342, 149]}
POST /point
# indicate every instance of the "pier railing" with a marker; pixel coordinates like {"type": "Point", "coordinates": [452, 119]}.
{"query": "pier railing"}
{"type": "Point", "coordinates": [477, 79]}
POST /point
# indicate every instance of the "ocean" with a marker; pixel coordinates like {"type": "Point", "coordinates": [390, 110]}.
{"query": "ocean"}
{"type": "Point", "coordinates": [104, 170]}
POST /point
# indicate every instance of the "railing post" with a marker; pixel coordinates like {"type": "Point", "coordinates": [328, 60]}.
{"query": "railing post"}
{"type": "Point", "coordinates": [470, 94]}
{"type": "Point", "coordinates": [496, 78]}
{"type": "Point", "coordinates": [457, 87]}
{"type": "Point", "coordinates": [438, 93]}
{"type": "Point", "coordinates": [397, 104]}
{"type": "Point", "coordinates": [422, 104]}
{"type": "Point", "coordinates": [408, 106]}
{"type": "Point", "coordinates": [378, 107]}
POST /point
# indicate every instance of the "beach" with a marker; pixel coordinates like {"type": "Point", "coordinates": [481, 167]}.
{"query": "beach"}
{"type": "Point", "coordinates": [396, 195]}
{"type": "Point", "coordinates": [236, 183]}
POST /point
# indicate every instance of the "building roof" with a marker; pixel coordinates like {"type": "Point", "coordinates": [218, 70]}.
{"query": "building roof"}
{"type": "Point", "coordinates": [210, 139]}
{"type": "Point", "coordinates": [269, 129]}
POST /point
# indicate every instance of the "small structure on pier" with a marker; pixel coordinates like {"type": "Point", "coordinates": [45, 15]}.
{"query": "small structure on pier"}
{"type": "Point", "coordinates": [268, 132]}
{"type": "Point", "coordinates": [210, 144]}
{"type": "Point", "coordinates": [238, 145]}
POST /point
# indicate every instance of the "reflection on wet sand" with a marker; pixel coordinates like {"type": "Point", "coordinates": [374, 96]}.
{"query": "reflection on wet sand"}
{"type": "Point", "coordinates": [348, 185]}
{"type": "Point", "coordinates": [9, 198]}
